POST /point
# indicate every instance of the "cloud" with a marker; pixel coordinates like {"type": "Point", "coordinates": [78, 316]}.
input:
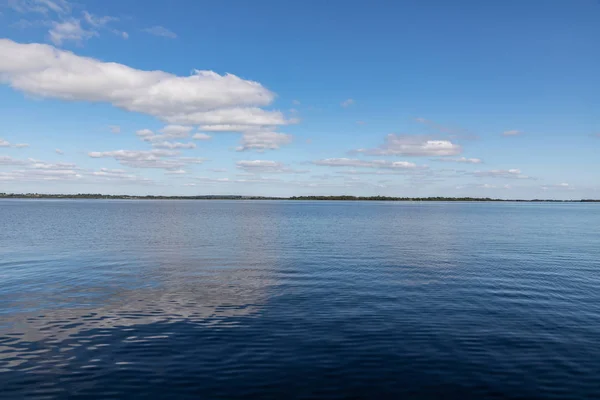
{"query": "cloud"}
{"type": "Point", "coordinates": [176, 131]}
{"type": "Point", "coordinates": [160, 31]}
{"type": "Point", "coordinates": [414, 145]}
{"type": "Point", "coordinates": [40, 6]}
{"type": "Point", "coordinates": [59, 151]}
{"type": "Point", "coordinates": [176, 172]}
{"type": "Point", "coordinates": [115, 128]}
{"type": "Point", "coordinates": [205, 97]}
{"type": "Point", "coordinates": [561, 186]}
{"type": "Point", "coordinates": [265, 166]}
{"type": "Point", "coordinates": [461, 160]}
{"type": "Point", "coordinates": [296, 102]}
{"type": "Point", "coordinates": [512, 133]}
{"type": "Point", "coordinates": [5, 143]}
{"type": "Point", "coordinates": [502, 173]}
{"type": "Point", "coordinates": [7, 160]}
{"type": "Point", "coordinates": [97, 21]}
{"type": "Point", "coordinates": [360, 122]}
{"type": "Point", "coordinates": [157, 158]}
{"type": "Point", "coordinates": [263, 141]}
{"type": "Point", "coordinates": [173, 145]}
{"type": "Point", "coordinates": [144, 133]}
{"type": "Point", "coordinates": [201, 136]}
{"type": "Point", "coordinates": [347, 103]}
{"type": "Point", "coordinates": [69, 30]}
{"type": "Point", "coordinates": [356, 163]}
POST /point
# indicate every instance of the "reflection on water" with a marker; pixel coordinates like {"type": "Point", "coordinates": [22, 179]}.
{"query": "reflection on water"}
{"type": "Point", "coordinates": [225, 299]}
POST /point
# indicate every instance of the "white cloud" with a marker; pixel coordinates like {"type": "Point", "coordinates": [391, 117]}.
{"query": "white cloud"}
{"type": "Point", "coordinates": [160, 31]}
{"type": "Point", "coordinates": [144, 133]}
{"type": "Point", "coordinates": [356, 163]}
{"type": "Point", "coordinates": [157, 158]}
{"type": "Point", "coordinates": [125, 35]}
{"type": "Point", "coordinates": [176, 172]}
{"type": "Point", "coordinates": [265, 166]}
{"type": "Point", "coordinates": [201, 136]}
{"type": "Point", "coordinates": [560, 186]}
{"type": "Point", "coordinates": [512, 133]}
{"type": "Point", "coordinates": [216, 102]}
{"type": "Point", "coordinates": [461, 160]}
{"type": "Point", "coordinates": [115, 128]}
{"type": "Point", "coordinates": [347, 103]}
{"type": "Point", "coordinates": [69, 30]}
{"type": "Point", "coordinates": [414, 145]}
{"type": "Point", "coordinates": [176, 131]}
{"type": "Point", "coordinates": [502, 173]}
{"type": "Point", "coordinates": [228, 128]}
{"type": "Point", "coordinates": [263, 141]}
{"type": "Point", "coordinates": [7, 160]}
{"type": "Point", "coordinates": [205, 97]}
{"type": "Point", "coordinates": [173, 145]}
{"type": "Point", "coordinates": [5, 143]}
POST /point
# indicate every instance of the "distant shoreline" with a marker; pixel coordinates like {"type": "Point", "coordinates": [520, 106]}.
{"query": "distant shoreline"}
{"type": "Point", "coordinates": [297, 198]}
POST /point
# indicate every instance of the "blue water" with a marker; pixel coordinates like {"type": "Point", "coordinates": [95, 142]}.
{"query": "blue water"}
{"type": "Point", "coordinates": [283, 299]}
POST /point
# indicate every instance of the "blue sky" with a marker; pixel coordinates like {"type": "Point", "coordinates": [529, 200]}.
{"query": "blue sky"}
{"type": "Point", "coordinates": [402, 98]}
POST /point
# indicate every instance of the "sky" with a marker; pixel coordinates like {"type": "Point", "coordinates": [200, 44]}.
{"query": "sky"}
{"type": "Point", "coordinates": [279, 98]}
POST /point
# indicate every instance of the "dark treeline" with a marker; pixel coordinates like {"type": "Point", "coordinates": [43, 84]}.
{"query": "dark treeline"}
{"type": "Point", "coordinates": [236, 197]}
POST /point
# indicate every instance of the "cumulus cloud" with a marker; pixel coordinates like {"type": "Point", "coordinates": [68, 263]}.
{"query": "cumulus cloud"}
{"type": "Point", "coordinates": [205, 97]}
{"type": "Point", "coordinates": [347, 103]}
{"type": "Point", "coordinates": [201, 136]}
{"type": "Point", "coordinates": [59, 151]}
{"type": "Point", "coordinates": [461, 160]}
{"type": "Point", "coordinates": [513, 132]}
{"type": "Point", "coordinates": [144, 132]}
{"type": "Point", "coordinates": [4, 143]}
{"type": "Point", "coordinates": [502, 173]}
{"type": "Point", "coordinates": [414, 145]}
{"type": "Point", "coordinates": [160, 31]}
{"type": "Point", "coordinates": [356, 163]}
{"type": "Point", "coordinates": [263, 141]}
{"type": "Point", "coordinates": [265, 166]}
{"type": "Point", "coordinates": [217, 103]}
{"type": "Point", "coordinates": [115, 128]}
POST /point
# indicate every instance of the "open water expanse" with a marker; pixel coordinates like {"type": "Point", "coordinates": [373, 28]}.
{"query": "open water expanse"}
{"type": "Point", "coordinates": [299, 299]}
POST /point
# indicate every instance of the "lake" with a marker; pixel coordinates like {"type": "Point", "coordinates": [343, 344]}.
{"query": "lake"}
{"type": "Point", "coordinates": [284, 299]}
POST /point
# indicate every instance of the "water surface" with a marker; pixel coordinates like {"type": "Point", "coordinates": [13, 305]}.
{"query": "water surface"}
{"type": "Point", "coordinates": [283, 299]}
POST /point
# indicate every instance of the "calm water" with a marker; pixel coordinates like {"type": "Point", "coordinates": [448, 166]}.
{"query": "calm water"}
{"type": "Point", "coordinates": [226, 299]}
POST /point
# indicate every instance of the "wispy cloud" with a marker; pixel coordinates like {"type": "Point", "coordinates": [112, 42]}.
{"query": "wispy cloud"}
{"type": "Point", "coordinates": [347, 103]}
{"type": "Point", "coordinates": [502, 173]}
{"type": "Point", "coordinates": [115, 128]}
{"type": "Point", "coordinates": [463, 160]}
{"type": "Point", "coordinates": [160, 31]}
{"type": "Point", "coordinates": [6, 143]}
{"type": "Point", "coordinates": [266, 166]}
{"type": "Point", "coordinates": [513, 132]}
{"type": "Point", "coordinates": [357, 163]}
